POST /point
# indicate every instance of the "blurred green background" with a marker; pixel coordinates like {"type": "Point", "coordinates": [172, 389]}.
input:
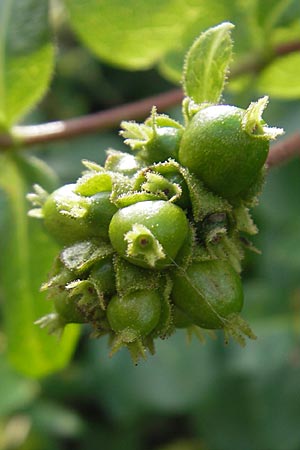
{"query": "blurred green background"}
{"type": "Point", "coordinates": [188, 396]}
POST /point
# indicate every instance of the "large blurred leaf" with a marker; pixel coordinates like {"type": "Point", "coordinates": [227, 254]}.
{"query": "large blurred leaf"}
{"type": "Point", "coordinates": [15, 391]}
{"type": "Point", "coordinates": [256, 403]}
{"type": "Point", "coordinates": [26, 56]}
{"type": "Point", "coordinates": [271, 13]}
{"type": "Point", "coordinates": [208, 14]}
{"type": "Point", "coordinates": [158, 384]}
{"type": "Point", "coordinates": [258, 24]}
{"type": "Point", "coordinates": [26, 257]}
{"type": "Point", "coordinates": [207, 64]}
{"type": "Point", "coordinates": [131, 33]}
{"type": "Point", "coordinates": [135, 34]}
{"type": "Point", "coordinates": [281, 79]}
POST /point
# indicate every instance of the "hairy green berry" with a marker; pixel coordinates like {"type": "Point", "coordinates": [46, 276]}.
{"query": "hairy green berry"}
{"type": "Point", "coordinates": [149, 234]}
{"type": "Point", "coordinates": [208, 292]}
{"type": "Point", "coordinates": [226, 147]}
{"type": "Point", "coordinates": [138, 312]}
{"type": "Point", "coordinates": [70, 217]}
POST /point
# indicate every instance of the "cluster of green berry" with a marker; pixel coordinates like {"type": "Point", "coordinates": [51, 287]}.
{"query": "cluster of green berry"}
{"type": "Point", "coordinates": [153, 241]}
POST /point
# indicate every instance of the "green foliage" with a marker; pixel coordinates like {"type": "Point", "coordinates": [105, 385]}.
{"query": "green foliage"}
{"type": "Point", "coordinates": [148, 236]}
{"type": "Point", "coordinates": [26, 56]}
{"type": "Point", "coordinates": [207, 63]}
{"type": "Point", "coordinates": [248, 396]}
{"type": "Point", "coordinates": [281, 78]}
{"type": "Point", "coordinates": [141, 34]}
{"type": "Point", "coordinates": [15, 391]}
{"type": "Point", "coordinates": [137, 33]}
{"type": "Point", "coordinates": [25, 255]}
{"type": "Point", "coordinates": [239, 138]}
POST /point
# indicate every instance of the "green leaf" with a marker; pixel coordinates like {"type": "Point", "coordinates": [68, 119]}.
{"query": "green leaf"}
{"type": "Point", "coordinates": [272, 13]}
{"type": "Point", "coordinates": [132, 34]}
{"type": "Point", "coordinates": [203, 15]}
{"type": "Point", "coordinates": [16, 392]}
{"type": "Point", "coordinates": [281, 79]}
{"type": "Point", "coordinates": [82, 255]}
{"type": "Point", "coordinates": [26, 56]}
{"type": "Point", "coordinates": [26, 257]}
{"type": "Point", "coordinates": [207, 64]}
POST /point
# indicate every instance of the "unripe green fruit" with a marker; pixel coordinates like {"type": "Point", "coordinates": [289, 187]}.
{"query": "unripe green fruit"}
{"type": "Point", "coordinates": [99, 214]}
{"type": "Point", "coordinates": [103, 276]}
{"type": "Point", "coordinates": [216, 147]}
{"type": "Point", "coordinates": [163, 145]}
{"type": "Point", "coordinates": [65, 306]}
{"type": "Point", "coordinates": [70, 217]}
{"type": "Point", "coordinates": [208, 292]}
{"type": "Point", "coordinates": [138, 312]}
{"type": "Point", "coordinates": [180, 319]}
{"type": "Point", "coordinates": [149, 234]}
{"type": "Point", "coordinates": [58, 215]}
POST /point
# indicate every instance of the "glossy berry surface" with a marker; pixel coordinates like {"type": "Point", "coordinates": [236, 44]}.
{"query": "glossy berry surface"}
{"type": "Point", "coordinates": [99, 215]}
{"type": "Point", "coordinates": [167, 226]}
{"type": "Point", "coordinates": [154, 239]}
{"type": "Point", "coordinates": [217, 148]}
{"type": "Point", "coordinates": [60, 211]}
{"type": "Point", "coordinates": [138, 311]}
{"type": "Point", "coordinates": [208, 292]}
{"type": "Point", "coordinates": [164, 144]}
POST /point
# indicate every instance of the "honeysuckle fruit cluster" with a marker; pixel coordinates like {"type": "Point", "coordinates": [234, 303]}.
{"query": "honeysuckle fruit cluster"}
{"type": "Point", "coordinates": [152, 241]}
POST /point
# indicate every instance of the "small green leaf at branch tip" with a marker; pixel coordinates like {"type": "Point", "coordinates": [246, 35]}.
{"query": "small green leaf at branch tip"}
{"type": "Point", "coordinates": [141, 242]}
{"type": "Point", "coordinates": [253, 124]}
{"type": "Point", "coordinates": [206, 65]}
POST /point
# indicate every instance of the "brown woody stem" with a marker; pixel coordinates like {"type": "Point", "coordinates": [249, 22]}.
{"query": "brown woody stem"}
{"type": "Point", "coordinates": [53, 131]}
{"type": "Point", "coordinates": [284, 150]}
{"type": "Point", "coordinates": [91, 123]}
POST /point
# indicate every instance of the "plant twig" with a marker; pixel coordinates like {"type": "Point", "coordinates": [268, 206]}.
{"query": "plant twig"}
{"type": "Point", "coordinates": [284, 150]}
{"type": "Point", "coordinates": [91, 123]}
{"type": "Point", "coordinates": [287, 47]}
{"type": "Point", "coordinates": [254, 63]}
{"type": "Point", "coordinates": [280, 152]}
{"type": "Point", "coordinates": [37, 134]}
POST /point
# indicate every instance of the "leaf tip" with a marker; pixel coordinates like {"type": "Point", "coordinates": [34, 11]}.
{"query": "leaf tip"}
{"type": "Point", "coordinates": [206, 64]}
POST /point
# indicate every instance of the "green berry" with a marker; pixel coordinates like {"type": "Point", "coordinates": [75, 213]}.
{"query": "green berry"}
{"type": "Point", "coordinates": [70, 217]}
{"type": "Point", "coordinates": [137, 312]}
{"type": "Point", "coordinates": [208, 292]}
{"type": "Point", "coordinates": [99, 215]}
{"type": "Point", "coordinates": [220, 148]}
{"type": "Point", "coordinates": [163, 145]}
{"type": "Point", "coordinates": [149, 234]}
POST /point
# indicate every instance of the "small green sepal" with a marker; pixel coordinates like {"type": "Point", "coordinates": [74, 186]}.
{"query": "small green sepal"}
{"type": "Point", "coordinates": [253, 124]}
{"type": "Point", "coordinates": [143, 244]}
